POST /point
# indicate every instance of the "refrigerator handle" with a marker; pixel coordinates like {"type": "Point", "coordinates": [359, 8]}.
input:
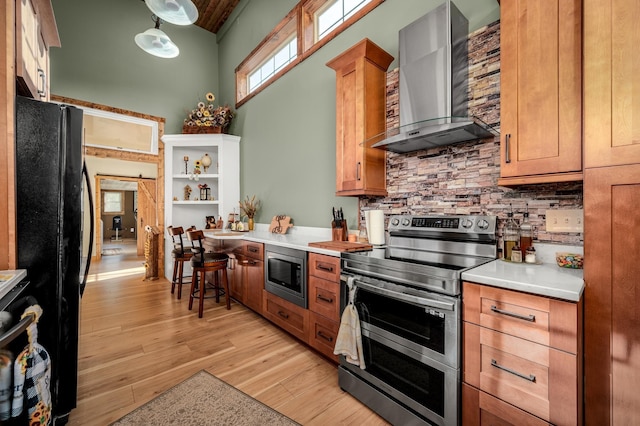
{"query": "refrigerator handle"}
{"type": "Point", "coordinates": [91, 230]}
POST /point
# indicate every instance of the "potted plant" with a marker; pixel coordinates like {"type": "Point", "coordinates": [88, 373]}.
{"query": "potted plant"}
{"type": "Point", "coordinates": [207, 118]}
{"type": "Point", "coordinates": [249, 207]}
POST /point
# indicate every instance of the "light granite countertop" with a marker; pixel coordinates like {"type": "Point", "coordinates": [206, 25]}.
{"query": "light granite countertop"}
{"type": "Point", "coordinates": [297, 237]}
{"type": "Point", "coordinates": [545, 279]}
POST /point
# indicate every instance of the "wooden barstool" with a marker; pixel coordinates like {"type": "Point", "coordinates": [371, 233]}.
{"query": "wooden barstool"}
{"type": "Point", "coordinates": [203, 262]}
{"type": "Point", "coordinates": [179, 257]}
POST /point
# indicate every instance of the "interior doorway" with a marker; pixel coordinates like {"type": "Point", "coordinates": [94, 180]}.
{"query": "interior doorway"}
{"type": "Point", "coordinates": [123, 206]}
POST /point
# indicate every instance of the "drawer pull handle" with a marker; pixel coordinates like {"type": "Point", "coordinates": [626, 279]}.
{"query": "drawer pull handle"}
{"type": "Point", "coordinates": [325, 299]}
{"type": "Point", "coordinates": [324, 267]}
{"type": "Point", "coordinates": [253, 249]}
{"type": "Point", "coordinates": [283, 314]}
{"type": "Point", "coordinates": [530, 318]}
{"type": "Point", "coordinates": [530, 377]}
{"type": "Point", "coordinates": [324, 336]}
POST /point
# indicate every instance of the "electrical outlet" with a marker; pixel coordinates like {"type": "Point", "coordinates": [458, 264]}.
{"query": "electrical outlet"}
{"type": "Point", "coordinates": [570, 220]}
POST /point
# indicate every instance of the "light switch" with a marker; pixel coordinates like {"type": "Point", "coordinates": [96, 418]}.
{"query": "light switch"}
{"type": "Point", "coordinates": [565, 220]}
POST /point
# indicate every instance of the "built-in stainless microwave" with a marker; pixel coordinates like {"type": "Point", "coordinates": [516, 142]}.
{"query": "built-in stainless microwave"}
{"type": "Point", "coordinates": [285, 273]}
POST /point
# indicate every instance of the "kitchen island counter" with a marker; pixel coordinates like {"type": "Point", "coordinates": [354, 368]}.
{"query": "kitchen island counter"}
{"type": "Point", "coordinates": [296, 238]}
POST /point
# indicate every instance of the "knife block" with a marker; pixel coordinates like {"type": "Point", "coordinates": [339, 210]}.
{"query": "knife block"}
{"type": "Point", "coordinates": [338, 232]}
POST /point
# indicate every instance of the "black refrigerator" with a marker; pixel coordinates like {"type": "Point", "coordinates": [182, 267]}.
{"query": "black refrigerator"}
{"type": "Point", "coordinates": [50, 177]}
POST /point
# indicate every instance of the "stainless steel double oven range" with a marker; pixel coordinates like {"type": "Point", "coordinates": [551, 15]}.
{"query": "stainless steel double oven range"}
{"type": "Point", "coordinates": [408, 299]}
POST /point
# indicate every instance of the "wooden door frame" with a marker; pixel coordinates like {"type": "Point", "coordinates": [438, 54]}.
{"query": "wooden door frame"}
{"type": "Point", "coordinates": [134, 157]}
{"type": "Point", "coordinates": [98, 206]}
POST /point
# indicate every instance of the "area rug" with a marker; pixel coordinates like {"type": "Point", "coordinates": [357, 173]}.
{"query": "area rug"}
{"type": "Point", "coordinates": [203, 399]}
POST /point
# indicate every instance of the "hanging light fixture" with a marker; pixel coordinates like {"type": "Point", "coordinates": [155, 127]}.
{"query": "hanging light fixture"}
{"type": "Point", "coordinates": [177, 12]}
{"type": "Point", "coordinates": [156, 42]}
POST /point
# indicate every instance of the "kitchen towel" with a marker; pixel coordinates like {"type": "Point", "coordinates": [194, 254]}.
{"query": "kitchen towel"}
{"type": "Point", "coordinates": [375, 226]}
{"type": "Point", "coordinates": [349, 339]}
{"type": "Point", "coordinates": [6, 374]}
{"type": "Point", "coordinates": [32, 376]}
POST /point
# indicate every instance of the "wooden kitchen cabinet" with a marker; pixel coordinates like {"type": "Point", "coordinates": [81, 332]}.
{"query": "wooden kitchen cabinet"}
{"type": "Point", "coordinates": [611, 84]}
{"type": "Point", "coordinates": [360, 115]}
{"type": "Point", "coordinates": [524, 351]}
{"type": "Point", "coordinates": [287, 315]}
{"type": "Point", "coordinates": [248, 275]}
{"type": "Point", "coordinates": [612, 332]}
{"type": "Point", "coordinates": [36, 32]}
{"type": "Point", "coordinates": [541, 91]}
{"type": "Point", "coordinates": [480, 408]}
{"type": "Point", "coordinates": [324, 302]}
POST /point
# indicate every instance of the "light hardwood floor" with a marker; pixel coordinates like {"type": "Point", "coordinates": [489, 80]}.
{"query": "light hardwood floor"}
{"type": "Point", "coordinates": [137, 340]}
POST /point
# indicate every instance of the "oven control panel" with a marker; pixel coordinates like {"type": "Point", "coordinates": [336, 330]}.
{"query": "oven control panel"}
{"type": "Point", "coordinates": [472, 224]}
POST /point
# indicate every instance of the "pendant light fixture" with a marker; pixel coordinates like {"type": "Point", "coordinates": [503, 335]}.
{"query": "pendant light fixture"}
{"type": "Point", "coordinates": [177, 12]}
{"type": "Point", "coordinates": [156, 42]}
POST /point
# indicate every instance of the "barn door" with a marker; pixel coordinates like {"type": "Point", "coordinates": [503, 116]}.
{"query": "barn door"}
{"type": "Point", "coordinates": [147, 199]}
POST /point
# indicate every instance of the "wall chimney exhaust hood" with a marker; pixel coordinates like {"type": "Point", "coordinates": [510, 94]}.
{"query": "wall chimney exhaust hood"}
{"type": "Point", "coordinates": [433, 85]}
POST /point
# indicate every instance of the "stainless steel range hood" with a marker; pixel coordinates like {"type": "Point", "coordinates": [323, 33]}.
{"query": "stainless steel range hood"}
{"type": "Point", "coordinates": [433, 85]}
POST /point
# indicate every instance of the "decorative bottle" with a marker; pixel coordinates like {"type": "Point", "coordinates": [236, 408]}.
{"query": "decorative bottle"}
{"type": "Point", "coordinates": [526, 233]}
{"type": "Point", "coordinates": [510, 236]}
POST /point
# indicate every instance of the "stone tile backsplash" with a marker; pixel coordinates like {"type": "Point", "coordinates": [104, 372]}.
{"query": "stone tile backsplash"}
{"type": "Point", "coordinates": [463, 178]}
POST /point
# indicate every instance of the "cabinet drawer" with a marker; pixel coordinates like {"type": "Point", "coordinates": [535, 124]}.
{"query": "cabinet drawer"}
{"type": "Point", "coordinates": [290, 317]}
{"type": "Point", "coordinates": [324, 298]}
{"type": "Point", "coordinates": [322, 334]}
{"type": "Point", "coordinates": [480, 408]}
{"type": "Point", "coordinates": [539, 319]}
{"type": "Point", "coordinates": [534, 377]}
{"type": "Point", "coordinates": [253, 250]}
{"type": "Point", "coordinates": [323, 266]}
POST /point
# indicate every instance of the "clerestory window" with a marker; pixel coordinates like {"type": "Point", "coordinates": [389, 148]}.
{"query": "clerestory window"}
{"type": "Point", "coordinates": [306, 28]}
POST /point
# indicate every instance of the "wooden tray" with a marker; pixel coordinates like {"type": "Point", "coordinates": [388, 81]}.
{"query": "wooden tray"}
{"type": "Point", "coordinates": [342, 246]}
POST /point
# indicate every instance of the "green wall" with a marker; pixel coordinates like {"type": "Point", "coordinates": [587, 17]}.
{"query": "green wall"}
{"type": "Point", "coordinates": [288, 130]}
{"type": "Point", "coordinates": [99, 61]}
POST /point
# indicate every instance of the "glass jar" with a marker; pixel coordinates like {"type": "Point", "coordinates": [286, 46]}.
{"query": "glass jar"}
{"type": "Point", "coordinates": [530, 256]}
{"type": "Point", "coordinates": [526, 234]}
{"type": "Point", "coordinates": [516, 254]}
{"type": "Point", "coordinates": [362, 235]}
{"type": "Point", "coordinates": [510, 236]}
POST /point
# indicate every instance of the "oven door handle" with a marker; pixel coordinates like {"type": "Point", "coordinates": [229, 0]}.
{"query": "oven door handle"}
{"type": "Point", "coordinates": [421, 301]}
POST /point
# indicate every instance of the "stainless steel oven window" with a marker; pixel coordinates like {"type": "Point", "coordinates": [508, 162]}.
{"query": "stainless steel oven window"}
{"type": "Point", "coordinates": [429, 389]}
{"type": "Point", "coordinates": [425, 322]}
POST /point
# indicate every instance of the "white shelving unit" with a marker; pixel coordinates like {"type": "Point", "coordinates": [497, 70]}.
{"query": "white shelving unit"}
{"type": "Point", "coordinates": [223, 177]}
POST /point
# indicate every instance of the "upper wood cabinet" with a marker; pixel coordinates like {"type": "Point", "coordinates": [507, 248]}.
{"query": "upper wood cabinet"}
{"type": "Point", "coordinates": [612, 86]}
{"type": "Point", "coordinates": [360, 115]}
{"type": "Point", "coordinates": [36, 31]}
{"type": "Point", "coordinates": [541, 91]}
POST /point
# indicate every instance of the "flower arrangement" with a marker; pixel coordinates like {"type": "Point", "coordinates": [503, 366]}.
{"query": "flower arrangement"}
{"type": "Point", "coordinates": [207, 118]}
{"type": "Point", "coordinates": [249, 206]}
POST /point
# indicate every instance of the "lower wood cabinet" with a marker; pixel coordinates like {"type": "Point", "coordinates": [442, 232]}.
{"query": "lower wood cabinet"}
{"type": "Point", "coordinates": [247, 282]}
{"type": "Point", "coordinates": [324, 297]}
{"type": "Point", "coordinates": [522, 358]}
{"type": "Point", "coordinates": [322, 334]}
{"type": "Point", "coordinates": [318, 325]}
{"type": "Point", "coordinates": [536, 378]}
{"type": "Point", "coordinates": [480, 408]}
{"type": "Point", "coordinates": [324, 303]}
{"type": "Point", "coordinates": [285, 314]}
